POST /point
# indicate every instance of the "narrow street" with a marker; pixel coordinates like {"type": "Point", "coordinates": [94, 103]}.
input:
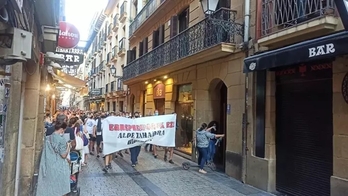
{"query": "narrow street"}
{"type": "Point", "coordinates": [155, 177]}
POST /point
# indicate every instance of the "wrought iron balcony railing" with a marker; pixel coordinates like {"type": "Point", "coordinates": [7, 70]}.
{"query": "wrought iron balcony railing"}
{"type": "Point", "coordinates": [279, 14]}
{"type": "Point", "coordinates": [122, 44]}
{"type": "Point", "coordinates": [112, 86]}
{"type": "Point", "coordinates": [144, 13]}
{"type": "Point", "coordinates": [197, 38]}
{"type": "Point", "coordinates": [101, 66]}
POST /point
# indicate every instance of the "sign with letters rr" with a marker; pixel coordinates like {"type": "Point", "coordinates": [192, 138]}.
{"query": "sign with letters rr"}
{"type": "Point", "coordinates": [72, 56]}
{"type": "Point", "coordinates": [321, 50]}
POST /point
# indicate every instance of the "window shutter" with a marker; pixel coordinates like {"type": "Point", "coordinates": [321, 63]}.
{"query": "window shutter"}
{"type": "Point", "coordinates": [129, 56]}
{"type": "Point", "coordinates": [154, 39]}
{"type": "Point", "coordinates": [145, 45]}
{"type": "Point", "coordinates": [141, 49]}
{"type": "Point", "coordinates": [161, 34]}
{"type": "Point", "coordinates": [173, 26]}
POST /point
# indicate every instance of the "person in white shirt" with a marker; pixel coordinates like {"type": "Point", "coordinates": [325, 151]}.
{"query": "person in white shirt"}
{"type": "Point", "coordinates": [90, 127]}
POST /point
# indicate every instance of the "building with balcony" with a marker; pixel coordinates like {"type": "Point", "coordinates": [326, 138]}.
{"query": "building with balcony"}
{"type": "Point", "coordinates": [107, 55]}
{"type": "Point", "coordinates": [298, 92]}
{"type": "Point", "coordinates": [182, 61]}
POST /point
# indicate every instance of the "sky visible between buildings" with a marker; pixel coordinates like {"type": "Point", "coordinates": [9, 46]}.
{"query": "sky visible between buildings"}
{"type": "Point", "coordinates": [81, 12]}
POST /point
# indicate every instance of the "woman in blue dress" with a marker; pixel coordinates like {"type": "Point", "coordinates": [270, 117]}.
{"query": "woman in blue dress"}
{"type": "Point", "coordinates": [54, 174]}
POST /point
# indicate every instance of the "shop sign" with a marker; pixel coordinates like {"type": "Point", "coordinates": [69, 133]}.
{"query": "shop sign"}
{"type": "Point", "coordinates": [68, 36]}
{"type": "Point", "coordinates": [159, 91]}
{"type": "Point", "coordinates": [73, 56]}
{"type": "Point", "coordinates": [321, 50]}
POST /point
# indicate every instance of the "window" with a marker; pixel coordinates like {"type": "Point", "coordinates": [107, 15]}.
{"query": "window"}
{"type": "Point", "coordinates": [183, 18]}
{"type": "Point", "coordinates": [141, 49]}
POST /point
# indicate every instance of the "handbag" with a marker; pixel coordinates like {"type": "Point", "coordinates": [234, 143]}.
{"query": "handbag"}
{"type": "Point", "coordinates": [79, 141]}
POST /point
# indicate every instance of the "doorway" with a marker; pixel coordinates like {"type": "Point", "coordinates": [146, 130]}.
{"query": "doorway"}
{"type": "Point", "coordinates": [304, 129]}
{"type": "Point", "coordinates": [218, 99]}
{"type": "Point", "coordinates": [132, 104]}
{"type": "Point", "coordinates": [159, 105]}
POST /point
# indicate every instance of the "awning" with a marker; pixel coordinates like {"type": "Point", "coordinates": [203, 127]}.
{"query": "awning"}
{"type": "Point", "coordinates": [68, 79]}
{"type": "Point", "coordinates": [320, 48]}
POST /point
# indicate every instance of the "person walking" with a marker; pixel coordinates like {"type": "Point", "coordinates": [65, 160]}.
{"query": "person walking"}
{"type": "Point", "coordinates": [203, 136]}
{"type": "Point", "coordinates": [90, 127]}
{"type": "Point", "coordinates": [135, 151]}
{"type": "Point", "coordinates": [54, 171]}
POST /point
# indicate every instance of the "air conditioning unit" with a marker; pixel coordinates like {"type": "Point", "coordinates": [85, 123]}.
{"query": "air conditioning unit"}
{"type": "Point", "coordinates": [15, 44]}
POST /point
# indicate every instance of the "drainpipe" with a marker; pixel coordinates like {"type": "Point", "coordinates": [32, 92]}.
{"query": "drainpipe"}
{"type": "Point", "coordinates": [245, 115]}
{"type": "Point", "coordinates": [19, 144]}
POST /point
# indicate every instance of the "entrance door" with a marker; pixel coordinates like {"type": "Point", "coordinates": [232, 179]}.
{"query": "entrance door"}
{"type": "Point", "coordinates": [219, 158]}
{"type": "Point", "coordinates": [304, 130]}
{"type": "Point", "coordinates": [159, 105]}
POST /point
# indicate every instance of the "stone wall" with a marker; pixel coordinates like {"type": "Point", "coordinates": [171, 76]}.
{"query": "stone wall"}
{"type": "Point", "coordinates": [339, 180]}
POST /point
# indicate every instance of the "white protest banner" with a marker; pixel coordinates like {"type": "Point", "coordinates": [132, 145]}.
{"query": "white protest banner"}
{"type": "Point", "coordinates": [122, 133]}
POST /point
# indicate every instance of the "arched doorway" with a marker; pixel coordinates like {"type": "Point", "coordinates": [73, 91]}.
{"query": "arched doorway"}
{"type": "Point", "coordinates": [132, 104]}
{"type": "Point", "coordinates": [218, 102]}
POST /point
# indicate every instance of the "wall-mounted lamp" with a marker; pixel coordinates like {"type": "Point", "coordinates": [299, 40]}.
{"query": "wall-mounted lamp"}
{"type": "Point", "coordinates": [113, 71]}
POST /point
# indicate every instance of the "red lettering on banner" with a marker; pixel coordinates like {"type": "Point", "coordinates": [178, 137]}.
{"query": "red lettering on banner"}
{"type": "Point", "coordinates": [141, 127]}
{"type": "Point", "coordinates": [170, 124]}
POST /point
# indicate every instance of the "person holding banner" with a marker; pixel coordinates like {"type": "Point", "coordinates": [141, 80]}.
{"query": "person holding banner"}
{"type": "Point", "coordinates": [203, 137]}
{"type": "Point", "coordinates": [154, 149]}
{"type": "Point", "coordinates": [135, 151]}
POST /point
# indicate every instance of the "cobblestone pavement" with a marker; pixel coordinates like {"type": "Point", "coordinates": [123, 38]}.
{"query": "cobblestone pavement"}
{"type": "Point", "coordinates": [154, 177]}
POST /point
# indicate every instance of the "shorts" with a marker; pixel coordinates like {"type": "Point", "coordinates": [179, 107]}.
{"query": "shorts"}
{"type": "Point", "coordinates": [99, 139]}
{"type": "Point", "coordinates": [91, 138]}
{"type": "Point", "coordinates": [86, 150]}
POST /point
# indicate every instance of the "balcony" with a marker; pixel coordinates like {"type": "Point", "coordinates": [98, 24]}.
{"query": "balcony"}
{"type": "Point", "coordinates": [110, 31]}
{"type": "Point", "coordinates": [291, 21]}
{"type": "Point", "coordinates": [144, 13]}
{"type": "Point", "coordinates": [116, 24]}
{"type": "Point", "coordinates": [151, 14]}
{"type": "Point", "coordinates": [109, 59]}
{"type": "Point", "coordinates": [200, 43]}
{"type": "Point", "coordinates": [102, 66]}
{"type": "Point", "coordinates": [123, 11]}
{"type": "Point", "coordinates": [122, 47]}
{"type": "Point", "coordinates": [114, 54]}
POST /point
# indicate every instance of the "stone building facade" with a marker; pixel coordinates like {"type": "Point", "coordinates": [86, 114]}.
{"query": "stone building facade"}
{"type": "Point", "coordinates": [180, 61]}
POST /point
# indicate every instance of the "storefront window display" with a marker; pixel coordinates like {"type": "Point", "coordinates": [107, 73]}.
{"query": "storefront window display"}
{"type": "Point", "coordinates": [184, 110]}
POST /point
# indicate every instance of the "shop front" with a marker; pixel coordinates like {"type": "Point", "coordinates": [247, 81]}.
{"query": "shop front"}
{"type": "Point", "coordinates": [299, 117]}
{"type": "Point", "coordinates": [184, 108]}
{"type": "Point", "coordinates": [202, 93]}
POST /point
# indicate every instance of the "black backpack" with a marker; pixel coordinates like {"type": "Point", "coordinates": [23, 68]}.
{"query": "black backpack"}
{"type": "Point", "coordinates": [99, 128]}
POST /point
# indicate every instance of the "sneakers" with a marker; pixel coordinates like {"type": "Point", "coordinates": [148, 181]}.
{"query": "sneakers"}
{"type": "Point", "coordinates": [202, 171]}
{"type": "Point", "coordinates": [133, 165]}
{"type": "Point", "coordinates": [121, 155]}
{"type": "Point", "coordinates": [171, 161]}
{"type": "Point", "coordinates": [105, 169]}
{"type": "Point", "coordinates": [109, 166]}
